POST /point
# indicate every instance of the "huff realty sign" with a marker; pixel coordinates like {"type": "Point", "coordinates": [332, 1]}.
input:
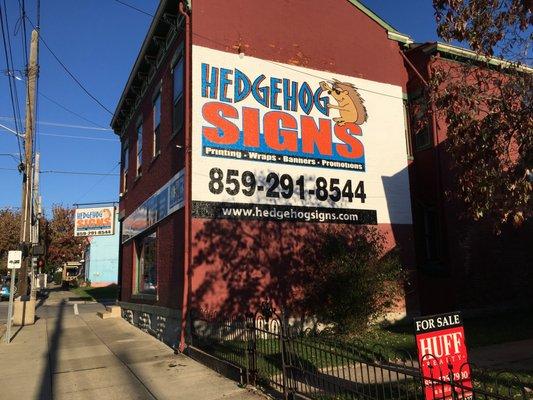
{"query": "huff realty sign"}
{"type": "Point", "coordinates": [442, 356]}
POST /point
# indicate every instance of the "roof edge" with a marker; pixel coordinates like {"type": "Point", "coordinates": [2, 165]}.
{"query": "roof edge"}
{"type": "Point", "coordinates": [400, 37]}
{"type": "Point", "coordinates": [470, 54]}
{"type": "Point", "coordinates": [392, 32]}
{"type": "Point", "coordinates": [138, 60]}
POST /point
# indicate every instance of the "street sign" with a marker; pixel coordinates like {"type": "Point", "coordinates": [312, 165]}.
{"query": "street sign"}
{"type": "Point", "coordinates": [14, 259]}
{"type": "Point", "coordinates": [442, 356]}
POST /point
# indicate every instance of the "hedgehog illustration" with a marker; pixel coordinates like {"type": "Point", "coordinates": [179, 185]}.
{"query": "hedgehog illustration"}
{"type": "Point", "coordinates": [350, 103]}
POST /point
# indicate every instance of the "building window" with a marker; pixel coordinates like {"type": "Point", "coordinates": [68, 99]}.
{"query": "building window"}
{"type": "Point", "coordinates": [157, 123]}
{"type": "Point", "coordinates": [147, 264]}
{"type": "Point", "coordinates": [139, 147]}
{"type": "Point", "coordinates": [125, 164]}
{"type": "Point", "coordinates": [420, 123]}
{"type": "Point", "coordinates": [177, 96]}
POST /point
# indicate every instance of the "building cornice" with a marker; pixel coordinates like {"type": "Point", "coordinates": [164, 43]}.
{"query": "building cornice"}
{"type": "Point", "coordinates": [165, 17]}
{"type": "Point", "coordinates": [448, 49]}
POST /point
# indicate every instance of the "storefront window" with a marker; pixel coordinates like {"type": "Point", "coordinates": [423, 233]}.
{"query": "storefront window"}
{"type": "Point", "coordinates": [147, 264]}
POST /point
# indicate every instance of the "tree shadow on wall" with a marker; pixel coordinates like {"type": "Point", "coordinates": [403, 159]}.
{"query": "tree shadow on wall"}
{"type": "Point", "coordinates": [238, 264]}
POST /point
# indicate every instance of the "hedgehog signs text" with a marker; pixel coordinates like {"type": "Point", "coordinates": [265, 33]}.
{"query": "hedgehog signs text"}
{"type": "Point", "coordinates": [275, 130]}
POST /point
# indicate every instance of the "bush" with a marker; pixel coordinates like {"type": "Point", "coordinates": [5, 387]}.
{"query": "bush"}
{"type": "Point", "coordinates": [352, 282]}
{"type": "Point", "coordinates": [58, 278]}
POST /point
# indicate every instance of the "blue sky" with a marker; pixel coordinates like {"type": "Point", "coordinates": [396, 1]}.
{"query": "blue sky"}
{"type": "Point", "coordinates": [98, 40]}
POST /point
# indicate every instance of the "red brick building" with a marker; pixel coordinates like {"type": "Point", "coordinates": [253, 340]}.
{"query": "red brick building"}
{"type": "Point", "coordinates": [461, 264]}
{"type": "Point", "coordinates": [245, 133]}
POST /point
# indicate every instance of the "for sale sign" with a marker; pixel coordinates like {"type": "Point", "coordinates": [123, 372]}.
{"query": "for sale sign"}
{"type": "Point", "coordinates": [442, 356]}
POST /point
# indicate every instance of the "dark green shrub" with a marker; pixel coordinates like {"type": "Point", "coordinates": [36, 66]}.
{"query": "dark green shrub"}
{"type": "Point", "coordinates": [58, 278]}
{"type": "Point", "coordinates": [351, 280]}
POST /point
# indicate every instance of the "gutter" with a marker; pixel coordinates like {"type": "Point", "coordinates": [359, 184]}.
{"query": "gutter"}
{"type": "Point", "coordinates": [187, 206]}
{"type": "Point", "coordinates": [399, 37]}
{"type": "Point", "coordinates": [472, 55]}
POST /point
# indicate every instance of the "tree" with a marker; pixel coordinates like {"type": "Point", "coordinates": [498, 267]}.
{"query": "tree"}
{"type": "Point", "coordinates": [487, 106]}
{"type": "Point", "coordinates": [353, 281]}
{"type": "Point", "coordinates": [9, 233]}
{"type": "Point", "coordinates": [62, 245]}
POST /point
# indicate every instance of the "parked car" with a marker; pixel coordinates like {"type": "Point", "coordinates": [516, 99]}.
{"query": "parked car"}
{"type": "Point", "coordinates": [5, 287]}
{"type": "Point", "coordinates": [71, 271]}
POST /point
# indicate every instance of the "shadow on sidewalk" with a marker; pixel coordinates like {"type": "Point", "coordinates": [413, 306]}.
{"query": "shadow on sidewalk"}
{"type": "Point", "coordinates": [46, 387]}
{"type": "Point", "coordinates": [14, 335]}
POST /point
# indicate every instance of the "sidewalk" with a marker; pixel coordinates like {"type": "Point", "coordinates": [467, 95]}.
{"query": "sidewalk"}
{"type": "Point", "coordinates": [67, 356]}
{"type": "Point", "coordinates": [510, 356]}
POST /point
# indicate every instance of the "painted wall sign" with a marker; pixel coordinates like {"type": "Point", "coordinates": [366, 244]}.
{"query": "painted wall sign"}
{"type": "Point", "coordinates": [162, 203]}
{"type": "Point", "coordinates": [442, 356]}
{"type": "Point", "coordinates": [279, 142]}
{"type": "Point", "coordinates": [94, 221]}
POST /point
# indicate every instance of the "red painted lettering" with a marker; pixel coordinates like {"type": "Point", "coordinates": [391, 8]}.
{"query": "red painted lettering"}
{"type": "Point", "coordinates": [224, 131]}
{"type": "Point", "coordinates": [316, 136]}
{"type": "Point", "coordinates": [352, 147]}
{"type": "Point", "coordinates": [250, 126]}
{"type": "Point", "coordinates": [274, 122]}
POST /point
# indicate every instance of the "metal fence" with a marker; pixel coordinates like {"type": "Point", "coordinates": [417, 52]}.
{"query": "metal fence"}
{"type": "Point", "coordinates": [291, 362]}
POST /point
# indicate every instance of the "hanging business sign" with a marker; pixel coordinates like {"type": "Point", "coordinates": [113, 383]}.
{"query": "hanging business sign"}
{"type": "Point", "coordinates": [443, 357]}
{"type": "Point", "coordinates": [159, 205]}
{"type": "Point", "coordinates": [279, 142]}
{"type": "Point", "coordinates": [94, 221]}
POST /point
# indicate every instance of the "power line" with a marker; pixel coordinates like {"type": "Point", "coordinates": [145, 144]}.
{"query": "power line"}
{"type": "Point", "coordinates": [11, 77]}
{"type": "Point", "coordinates": [10, 60]}
{"type": "Point", "coordinates": [63, 125]}
{"type": "Point", "coordinates": [96, 184]}
{"type": "Point", "coordinates": [63, 136]}
{"type": "Point", "coordinates": [78, 137]}
{"type": "Point", "coordinates": [22, 19]}
{"type": "Point", "coordinates": [77, 173]}
{"type": "Point", "coordinates": [134, 8]}
{"type": "Point", "coordinates": [41, 38]}
{"type": "Point", "coordinates": [9, 169]}
{"type": "Point", "coordinates": [104, 174]}
{"type": "Point", "coordinates": [10, 130]}
{"type": "Point", "coordinates": [288, 67]}
{"type": "Point", "coordinates": [69, 110]}
{"type": "Point", "coordinates": [12, 155]}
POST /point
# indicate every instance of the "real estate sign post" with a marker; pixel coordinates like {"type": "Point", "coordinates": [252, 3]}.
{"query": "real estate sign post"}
{"type": "Point", "coordinates": [442, 356]}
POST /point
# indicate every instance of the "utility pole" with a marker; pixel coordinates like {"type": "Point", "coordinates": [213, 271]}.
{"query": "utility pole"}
{"type": "Point", "coordinates": [27, 186]}
{"type": "Point", "coordinates": [36, 215]}
{"type": "Point", "coordinates": [36, 200]}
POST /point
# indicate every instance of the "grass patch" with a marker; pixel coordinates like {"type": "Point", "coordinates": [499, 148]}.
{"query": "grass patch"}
{"type": "Point", "coordinates": [96, 293]}
{"type": "Point", "coordinates": [479, 331]}
{"type": "Point", "coordinates": [313, 357]}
